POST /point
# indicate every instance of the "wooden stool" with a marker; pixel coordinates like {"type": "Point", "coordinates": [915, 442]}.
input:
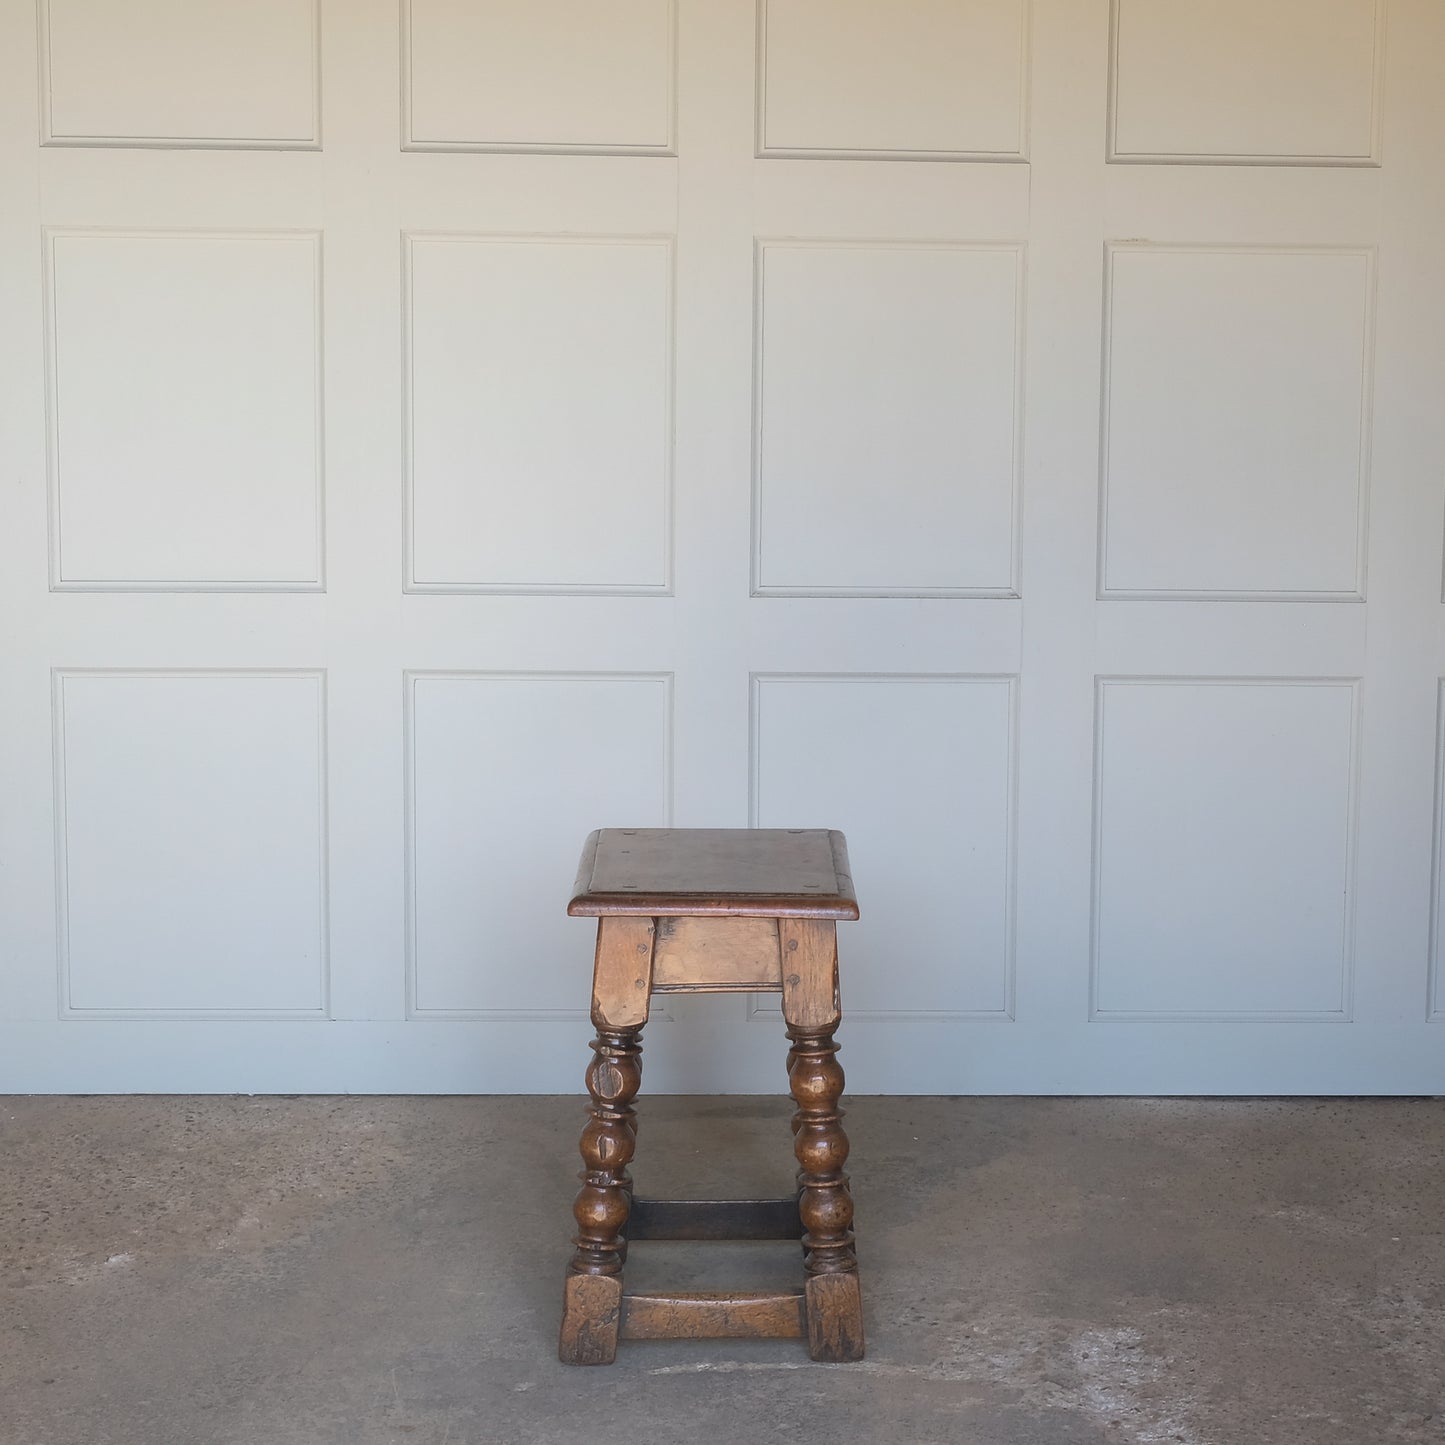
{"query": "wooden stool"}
{"type": "Point", "coordinates": [712, 910]}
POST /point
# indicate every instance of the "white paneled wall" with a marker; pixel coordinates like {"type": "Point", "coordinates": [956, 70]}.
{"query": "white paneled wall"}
{"type": "Point", "coordinates": [1276, 759]}
{"type": "Point", "coordinates": [534, 363]}
{"type": "Point", "coordinates": [185, 410]}
{"type": "Point", "coordinates": [1242, 83]}
{"type": "Point", "coordinates": [887, 418]}
{"type": "Point", "coordinates": [1006, 430]}
{"type": "Point", "coordinates": [908, 80]}
{"type": "Point", "coordinates": [1236, 422]}
{"type": "Point", "coordinates": [577, 77]}
{"type": "Point", "coordinates": [180, 73]}
{"type": "Point", "coordinates": [191, 848]}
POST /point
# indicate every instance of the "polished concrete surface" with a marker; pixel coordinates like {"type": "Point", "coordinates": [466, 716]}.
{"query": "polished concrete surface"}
{"type": "Point", "coordinates": [301, 1271]}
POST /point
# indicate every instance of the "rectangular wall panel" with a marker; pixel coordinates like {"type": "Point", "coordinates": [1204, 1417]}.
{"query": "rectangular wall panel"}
{"type": "Point", "coordinates": [886, 417]}
{"type": "Point", "coordinates": [1224, 848]}
{"type": "Point", "coordinates": [191, 843]}
{"type": "Point", "coordinates": [181, 72]}
{"type": "Point", "coordinates": [1237, 395]}
{"type": "Point", "coordinates": [539, 75]}
{"type": "Point", "coordinates": [506, 776]}
{"type": "Point", "coordinates": [185, 411]}
{"type": "Point", "coordinates": [539, 412]}
{"type": "Point", "coordinates": [1290, 82]}
{"type": "Point", "coordinates": [918, 772]}
{"type": "Point", "coordinates": [912, 79]}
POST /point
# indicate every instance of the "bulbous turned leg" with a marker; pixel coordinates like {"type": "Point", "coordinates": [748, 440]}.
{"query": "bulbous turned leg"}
{"type": "Point", "coordinates": [592, 1300]}
{"type": "Point", "coordinates": [834, 1303]}
{"type": "Point", "coordinates": [798, 1177]}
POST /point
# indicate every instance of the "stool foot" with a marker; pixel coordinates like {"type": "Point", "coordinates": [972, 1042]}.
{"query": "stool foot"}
{"type": "Point", "coordinates": [591, 1315]}
{"type": "Point", "coordinates": [833, 1304]}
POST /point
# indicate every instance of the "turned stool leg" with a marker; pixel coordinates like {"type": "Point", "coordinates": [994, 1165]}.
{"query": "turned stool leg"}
{"type": "Point", "coordinates": [798, 1177]}
{"type": "Point", "coordinates": [592, 1301]}
{"type": "Point", "coordinates": [834, 1302]}
{"type": "Point", "coordinates": [832, 1299]}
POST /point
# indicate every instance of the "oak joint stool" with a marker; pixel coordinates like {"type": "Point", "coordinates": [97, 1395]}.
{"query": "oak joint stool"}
{"type": "Point", "coordinates": [714, 910]}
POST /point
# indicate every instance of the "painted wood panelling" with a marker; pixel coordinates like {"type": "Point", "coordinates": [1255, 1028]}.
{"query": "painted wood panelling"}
{"type": "Point", "coordinates": [1291, 82]}
{"type": "Point", "coordinates": [1006, 430]}
{"type": "Point", "coordinates": [191, 822]}
{"type": "Point", "coordinates": [1237, 420]}
{"type": "Point", "coordinates": [539, 75]}
{"type": "Point", "coordinates": [539, 403]}
{"type": "Point", "coordinates": [181, 73]}
{"type": "Point", "coordinates": [1224, 847]}
{"type": "Point", "coordinates": [185, 410]}
{"type": "Point", "coordinates": [887, 415]}
{"type": "Point", "coordinates": [913, 79]}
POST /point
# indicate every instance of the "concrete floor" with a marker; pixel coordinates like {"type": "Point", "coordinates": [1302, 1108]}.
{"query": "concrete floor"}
{"type": "Point", "coordinates": [272, 1271]}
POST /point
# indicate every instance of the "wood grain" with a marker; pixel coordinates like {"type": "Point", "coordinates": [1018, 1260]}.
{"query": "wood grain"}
{"type": "Point", "coordinates": [767, 1315]}
{"type": "Point", "coordinates": [742, 872]}
{"type": "Point", "coordinates": [834, 1313]}
{"type": "Point", "coordinates": [622, 974]}
{"type": "Point", "coordinates": [716, 955]}
{"type": "Point", "coordinates": [591, 1316]}
{"type": "Point", "coordinates": [810, 973]}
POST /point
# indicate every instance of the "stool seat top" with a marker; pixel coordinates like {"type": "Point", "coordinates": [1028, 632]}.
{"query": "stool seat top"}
{"type": "Point", "coordinates": [742, 872]}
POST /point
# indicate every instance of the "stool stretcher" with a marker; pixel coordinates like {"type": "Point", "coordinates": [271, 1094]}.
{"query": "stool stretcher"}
{"type": "Point", "coordinates": [715, 1219]}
